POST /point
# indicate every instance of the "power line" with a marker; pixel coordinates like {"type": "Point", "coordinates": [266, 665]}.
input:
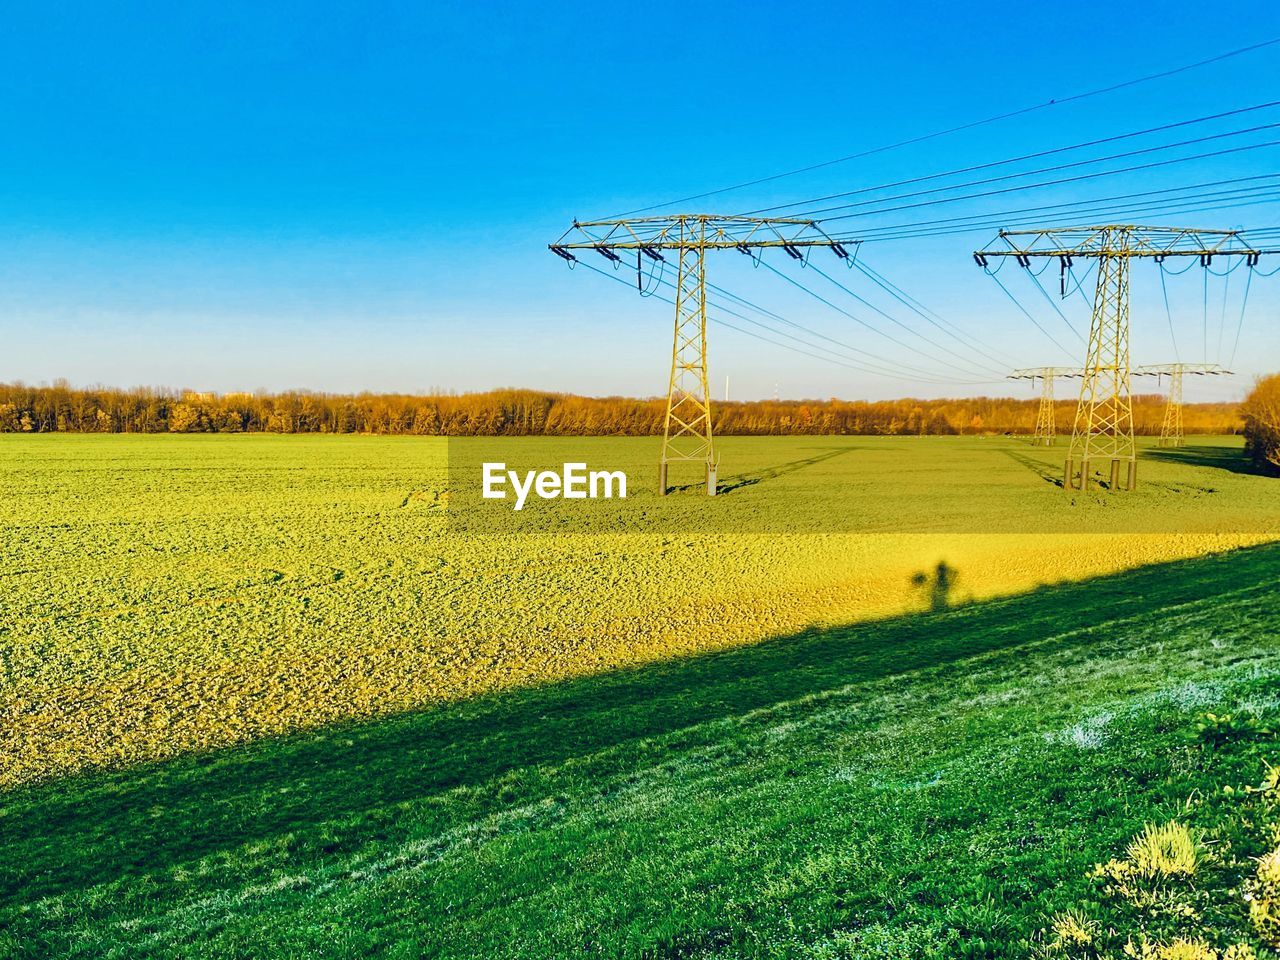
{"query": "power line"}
{"type": "Point", "coordinates": [1168, 313]}
{"type": "Point", "coordinates": [1025, 312]}
{"type": "Point", "coordinates": [1028, 156]}
{"type": "Point", "coordinates": [1206, 316]}
{"type": "Point", "coordinates": [927, 315]}
{"type": "Point", "coordinates": [869, 233]}
{"type": "Point", "coordinates": [1052, 183]}
{"type": "Point", "coordinates": [854, 317]}
{"type": "Point", "coordinates": [791, 323]}
{"type": "Point", "coordinates": [895, 369]}
{"type": "Point", "coordinates": [1057, 101]}
{"type": "Point", "coordinates": [897, 322]}
{"type": "Point", "coordinates": [1222, 320]}
{"type": "Point", "coordinates": [901, 369]}
{"type": "Point", "coordinates": [889, 368]}
{"type": "Point", "coordinates": [827, 355]}
{"type": "Point", "coordinates": [813, 214]}
{"type": "Point", "coordinates": [1091, 218]}
{"type": "Point", "coordinates": [1056, 309]}
{"type": "Point", "coordinates": [1082, 217]}
{"type": "Point", "coordinates": [1244, 302]}
{"type": "Point", "coordinates": [831, 357]}
{"type": "Point", "coordinates": [814, 333]}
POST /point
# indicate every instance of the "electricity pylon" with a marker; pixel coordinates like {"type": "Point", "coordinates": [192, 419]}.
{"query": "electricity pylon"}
{"type": "Point", "coordinates": [1103, 427]}
{"type": "Point", "coordinates": [1171, 428]}
{"type": "Point", "coordinates": [1046, 422]}
{"type": "Point", "coordinates": [687, 434]}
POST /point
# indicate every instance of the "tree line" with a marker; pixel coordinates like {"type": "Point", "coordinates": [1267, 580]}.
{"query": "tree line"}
{"type": "Point", "coordinates": [515, 412]}
{"type": "Point", "coordinates": [1261, 413]}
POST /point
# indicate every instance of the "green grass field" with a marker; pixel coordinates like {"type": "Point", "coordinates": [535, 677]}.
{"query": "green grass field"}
{"type": "Point", "coordinates": [929, 786]}
{"type": "Point", "coordinates": [874, 484]}
{"type": "Point", "coordinates": [259, 698]}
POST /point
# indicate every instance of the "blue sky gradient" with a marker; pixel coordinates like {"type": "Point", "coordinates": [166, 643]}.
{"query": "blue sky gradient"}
{"type": "Point", "coordinates": [359, 197]}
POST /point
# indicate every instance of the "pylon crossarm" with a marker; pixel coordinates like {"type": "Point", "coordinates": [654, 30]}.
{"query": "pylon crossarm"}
{"type": "Point", "coordinates": [1199, 369]}
{"type": "Point", "coordinates": [654, 234]}
{"type": "Point", "coordinates": [1138, 241]}
{"type": "Point", "coordinates": [1040, 373]}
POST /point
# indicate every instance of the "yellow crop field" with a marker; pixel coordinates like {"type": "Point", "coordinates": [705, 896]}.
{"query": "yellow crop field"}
{"type": "Point", "coordinates": [164, 595]}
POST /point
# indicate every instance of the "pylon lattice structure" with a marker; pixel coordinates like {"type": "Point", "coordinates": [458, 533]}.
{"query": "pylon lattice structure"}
{"type": "Point", "coordinates": [1103, 426]}
{"type": "Point", "coordinates": [1171, 427]}
{"type": "Point", "coordinates": [1046, 421]}
{"type": "Point", "coordinates": [687, 430]}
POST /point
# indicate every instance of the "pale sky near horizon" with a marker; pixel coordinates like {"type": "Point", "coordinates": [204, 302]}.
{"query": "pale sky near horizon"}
{"type": "Point", "coordinates": [236, 196]}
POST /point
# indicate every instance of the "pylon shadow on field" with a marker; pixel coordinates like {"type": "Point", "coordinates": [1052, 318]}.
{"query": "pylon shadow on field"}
{"type": "Point", "coordinates": [1035, 466]}
{"type": "Point", "coordinates": [1233, 461]}
{"type": "Point", "coordinates": [155, 818]}
{"type": "Point", "coordinates": [772, 473]}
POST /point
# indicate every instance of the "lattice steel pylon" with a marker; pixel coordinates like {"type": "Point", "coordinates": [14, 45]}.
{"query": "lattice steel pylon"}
{"type": "Point", "coordinates": [687, 429]}
{"type": "Point", "coordinates": [1171, 426]}
{"type": "Point", "coordinates": [1046, 419]}
{"type": "Point", "coordinates": [1103, 426]}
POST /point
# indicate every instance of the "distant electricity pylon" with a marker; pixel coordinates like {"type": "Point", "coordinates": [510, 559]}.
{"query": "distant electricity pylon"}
{"type": "Point", "coordinates": [1171, 428]}
{"type": "Point", "coordinates": [1103, 427]}
{"type": "Point", "coordinates": [686, 434]}
{"type": "Point", "coordinates": [1046, 423]}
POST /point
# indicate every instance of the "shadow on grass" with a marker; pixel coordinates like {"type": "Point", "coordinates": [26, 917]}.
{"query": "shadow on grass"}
{"type": "Point", "coordinates": [1037, 467]}
{"type": "Point", "coordinates": [937, 586]}
{"type": "Point", "coordinates": [1233, 460]}
{"type": "Point", "coordinates": [65, 835]}
{"type": "Point", "coordinates": [730, 484]}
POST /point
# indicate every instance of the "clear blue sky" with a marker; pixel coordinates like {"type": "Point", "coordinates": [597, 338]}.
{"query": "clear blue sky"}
{"type": "Point", "coordinates": [238, 196]}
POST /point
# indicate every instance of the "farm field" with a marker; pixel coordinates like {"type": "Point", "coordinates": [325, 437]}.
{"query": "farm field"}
{"type": "Point", "coordinates": [434, 526]}
{"type": "Point", "coordinates": [928, 785]}
{"type": "Point", "coordinates": [823, 484]}
{"type": "Point", "coordinates": [171, 594]}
